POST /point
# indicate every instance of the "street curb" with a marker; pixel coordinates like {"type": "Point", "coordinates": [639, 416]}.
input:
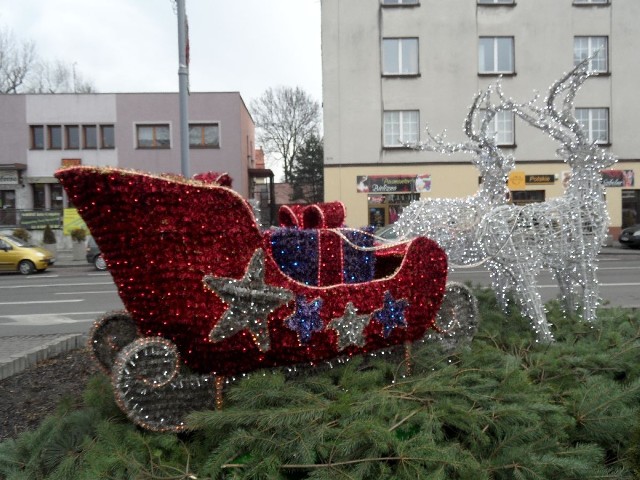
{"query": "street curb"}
{"type": "Point", "coordinates": [21, 361]}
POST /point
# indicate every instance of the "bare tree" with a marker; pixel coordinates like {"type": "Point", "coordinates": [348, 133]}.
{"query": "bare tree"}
{"type": "Point", "coordinates": [58, 77]}
{"type": "Point", "coordinates": [16, 61]}
{"type": "Point", "coordinates": [22, 71]}
{"type": "Point", "coordinates": [285, 118]}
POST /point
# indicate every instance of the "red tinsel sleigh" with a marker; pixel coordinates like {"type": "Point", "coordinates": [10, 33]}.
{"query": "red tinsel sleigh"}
{"type": "Point", "coordinates": [199, 278]}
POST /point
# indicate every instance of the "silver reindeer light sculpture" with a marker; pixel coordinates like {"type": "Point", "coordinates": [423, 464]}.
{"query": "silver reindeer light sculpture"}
{"type": "Point", "coordinates": [563, 234]}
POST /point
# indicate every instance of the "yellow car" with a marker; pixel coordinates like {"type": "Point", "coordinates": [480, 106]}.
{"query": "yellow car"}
{"type": "Point", "coordinates": [16, 255]}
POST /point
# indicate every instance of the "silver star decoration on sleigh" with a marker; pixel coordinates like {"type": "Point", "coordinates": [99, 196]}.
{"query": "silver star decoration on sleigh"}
{"type": "Point", "coordinates": [250, 302]}
{"type": "Point", "coordinates": [350, 327]}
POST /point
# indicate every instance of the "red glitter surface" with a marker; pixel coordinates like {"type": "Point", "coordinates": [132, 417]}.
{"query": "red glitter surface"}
{"type": "Point", "coordinates": [161, 236]}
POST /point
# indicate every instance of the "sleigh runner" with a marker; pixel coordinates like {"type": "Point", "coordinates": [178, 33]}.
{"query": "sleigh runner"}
{"type": "Point", "coordinates": [208, 292]}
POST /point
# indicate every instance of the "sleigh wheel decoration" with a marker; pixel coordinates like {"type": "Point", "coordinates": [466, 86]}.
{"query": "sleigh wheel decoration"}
{"type": "Point", "coordinates": [209, 295]}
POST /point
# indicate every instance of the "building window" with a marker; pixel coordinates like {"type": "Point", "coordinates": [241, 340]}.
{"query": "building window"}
{"type": "Point", "coordinates": [89, 136]}
{"type": "Point", "coordinates": [107, 136]}
{"type": "Point", "coordinates": [400, 2]}
{"type": "Point", "coordinates": [39, 196]}
{"type": "Point", "coordinates": [37, 137]}
{"type": "Point", "coordinates": [594, 121]}
{"type": "Point", "coordinates": [72, 137]}
{"type": "Point", "coordinates": [153, 136]}
{"type": "Point", "coordinates": [400, 56]}
{"type": "Point", "coordinates": [400, 126]}
{"type": "Point", "coordinates": [585, 47]}
{"type": "Point", "coordinates": [496, 55]}
{"type": "Point", "coordinates": [57, 197]}
{"type": "Point", "coordinates": [496, 2]}
{"type": "Point", "coordinates": [590, 2]}
{"type": "Point", "coordinates": [54, 132]}
{"type": "Point", "coordinates": [501, 128]}
{"type": "Point", "coordinates": [204, 135]}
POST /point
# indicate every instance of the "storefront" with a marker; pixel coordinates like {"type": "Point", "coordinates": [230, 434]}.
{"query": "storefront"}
{"type": "Point", "coordinates": [388, 195]}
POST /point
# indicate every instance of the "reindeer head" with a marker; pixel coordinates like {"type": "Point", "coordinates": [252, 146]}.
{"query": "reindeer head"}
{"type": "Point", "coordinates": [494, 165]}
{"type": "Point", "coordinates": [557, 118]}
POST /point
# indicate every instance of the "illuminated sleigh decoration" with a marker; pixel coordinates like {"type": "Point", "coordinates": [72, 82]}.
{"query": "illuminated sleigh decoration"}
{"type": "Point", "coordinates": [205, 292]}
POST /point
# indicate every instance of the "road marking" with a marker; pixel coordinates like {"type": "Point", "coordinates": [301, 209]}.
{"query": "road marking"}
{"type": "Point", "coordinates": [43, 301]}
{"type": "Point", "coordinates": [44, 319]}
{"type": "Point", "coordinates": [44, 285]}
{"type": "Point", "coordinates": [82, 293]}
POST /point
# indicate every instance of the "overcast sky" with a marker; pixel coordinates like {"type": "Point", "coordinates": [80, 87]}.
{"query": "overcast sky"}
{"type": "Point", "coordinates": [132, 45]}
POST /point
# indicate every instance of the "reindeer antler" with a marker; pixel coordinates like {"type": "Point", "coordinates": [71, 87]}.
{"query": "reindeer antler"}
{"type": "Point", "coordinates": [476, 127]}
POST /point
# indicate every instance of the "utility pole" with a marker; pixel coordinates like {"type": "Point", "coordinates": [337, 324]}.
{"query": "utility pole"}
{"type": "Point", "coordinates": [183, 77]}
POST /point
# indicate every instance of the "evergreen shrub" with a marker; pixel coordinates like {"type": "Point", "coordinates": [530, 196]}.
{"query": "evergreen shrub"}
{"type": "Point", "coordinates": [505, 407]}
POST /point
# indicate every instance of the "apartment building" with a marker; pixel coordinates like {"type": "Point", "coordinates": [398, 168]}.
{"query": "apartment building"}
{"type": "Point", "coordinates": [393, 67]}
{"type": "Point", "coordinates": [40, 133]}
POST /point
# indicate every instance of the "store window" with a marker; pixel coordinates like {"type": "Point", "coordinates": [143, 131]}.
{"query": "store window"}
{"type": "Point", "coordinates": [39, 196]}
{"type": "Point", "coordinates": [57, 197]}
{"type": "Point", "coordinates": [400, 56]}
{"type": "Point", "coordinates": [153, 136]}
{"type": "Point", "coordinates": [385, 209]}
{"type": "Point", "coordinates": [205, 135]}
{"type": "Point", "coordinates": [630, 207]}
{"type": "Point", "coordinates": [496, 55]}
{"type": "Point", "coordinates": [523, 197]}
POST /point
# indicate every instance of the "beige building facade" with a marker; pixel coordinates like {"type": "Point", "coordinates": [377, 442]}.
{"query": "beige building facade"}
{"type": "Point", "coordinates": [391, 68]}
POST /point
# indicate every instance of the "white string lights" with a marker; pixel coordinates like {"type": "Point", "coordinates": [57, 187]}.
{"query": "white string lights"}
{"type": "Point", "coordinates": [563, 234]}
{"type": "Point", "coordinates": [452, 222]}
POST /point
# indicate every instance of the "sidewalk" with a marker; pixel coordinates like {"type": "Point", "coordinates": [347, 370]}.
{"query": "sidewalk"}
{"type": "Point", "coordinates": [18, 353]}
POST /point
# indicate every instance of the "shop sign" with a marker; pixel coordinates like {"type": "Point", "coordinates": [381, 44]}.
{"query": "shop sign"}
{"type": "Point", "coordinates": [9, 177]}
{"type": "Point", "coordinates": [384, 184]}
{"type": "Point", "coordinates": [618, 178]}
{"type": "Point", "coordinates": [539, 179]}
{"type": "Point", "coordinates": [71, 162]}
{"type": "Point", "coordinates": [516, 181]}
{"type": "Point", "coordinates": [39, 220]}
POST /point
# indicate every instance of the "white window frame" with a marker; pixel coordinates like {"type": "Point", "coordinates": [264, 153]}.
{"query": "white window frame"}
{"type": "Point", "coordinates": [399, 2]}
{"type": "Point", "coordinates": [496, 2]}
{"type": "Point", "coordinates": [591, 2]}
{"type": "Point", "coordinates": [403, 43]}
{"type": "Point", "coordinates": [495, 44]}
{"type": "Point", "coordinates": [584, 46]}
{"type": "Point", "coordinates": [595, 122]}
{"type": "Point", "coordinates": [503, 128]}
{"type": "Point", "coordinates": [408, 127]}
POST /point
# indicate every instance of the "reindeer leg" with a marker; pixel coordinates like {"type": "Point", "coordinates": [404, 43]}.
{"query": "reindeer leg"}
{"type": "Point", "coordinates": [502, 281]}
{"type": "Point", "coordinates": [567, 284]}
{"type": "Point", "coordinates": [591, 298]}
{"type": "Point", "coordinates": [531, 303]}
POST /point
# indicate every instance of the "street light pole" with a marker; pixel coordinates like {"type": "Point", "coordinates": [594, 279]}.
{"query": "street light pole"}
{"type": "Point", "coordinates": [183, 77]}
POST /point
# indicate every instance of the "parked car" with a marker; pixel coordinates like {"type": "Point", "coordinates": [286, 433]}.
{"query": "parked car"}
{"type": "Point", "coordinates": [17, 255]}
{"type": "Point", "coordinates": [94, 256]}
{"type": "Point", "coordinates": [630, 236]}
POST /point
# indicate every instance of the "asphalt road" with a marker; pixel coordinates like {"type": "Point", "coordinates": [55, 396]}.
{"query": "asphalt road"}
{"type": "Point", "coordinates": [68, 300]}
